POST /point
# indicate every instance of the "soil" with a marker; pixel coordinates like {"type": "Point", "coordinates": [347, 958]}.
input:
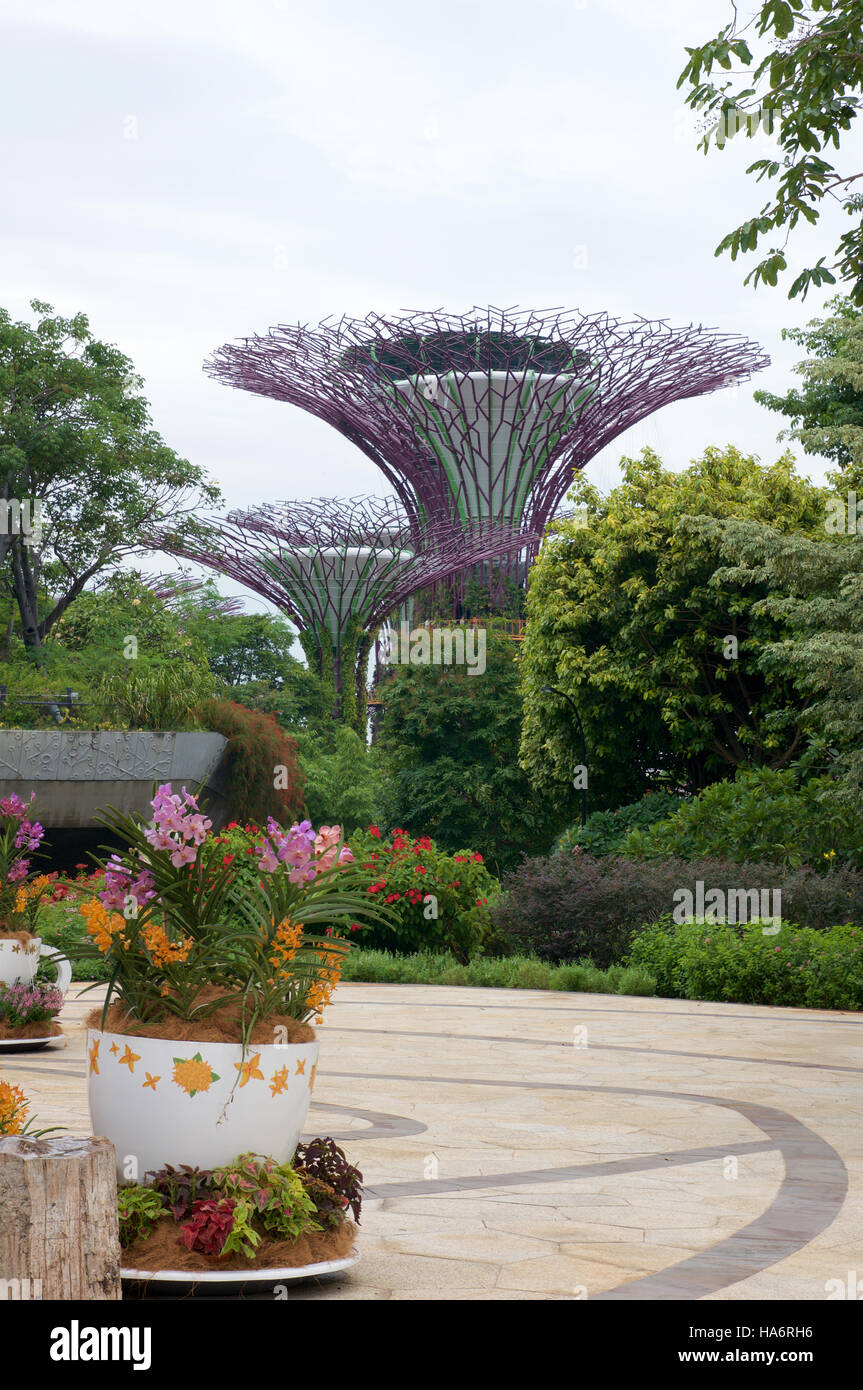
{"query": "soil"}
{"type": "Point", "coordinates": [164, 1249]}
{"type": "Point", "coordinates": [224, 1024]}
{"type": "Point", "coordinates": [48, 1029]}
{"type": "Point", "coordinates": [25, 937]}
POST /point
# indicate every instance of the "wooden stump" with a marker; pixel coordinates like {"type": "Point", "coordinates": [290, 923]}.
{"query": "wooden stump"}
{"type": "Point", "coordinates": [58, 1219]}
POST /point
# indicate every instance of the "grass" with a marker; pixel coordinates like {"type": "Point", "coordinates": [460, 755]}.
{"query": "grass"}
{"type": "Point", "coordinates": [511, 972]}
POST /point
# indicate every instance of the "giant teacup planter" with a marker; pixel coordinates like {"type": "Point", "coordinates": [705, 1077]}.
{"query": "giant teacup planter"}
{"type": "Point", "coordinates": [27, 1006]}
{"type": "Point", "coordinates": [204, 1047]}
{"type": "Point", "coordinates": [197, 1103]}
{"type": "Point", "coordinates": [20, 957]}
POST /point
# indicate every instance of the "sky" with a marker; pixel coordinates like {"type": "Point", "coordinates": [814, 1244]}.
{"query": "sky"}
{"type": "Point", "coordinates": [189, 174]}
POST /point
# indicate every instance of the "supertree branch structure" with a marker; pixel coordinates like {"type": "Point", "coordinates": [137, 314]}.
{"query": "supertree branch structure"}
{"type": "Point", "coordinates": [484, 416]}
{"type": "Point", "coordinates": [338, 569]}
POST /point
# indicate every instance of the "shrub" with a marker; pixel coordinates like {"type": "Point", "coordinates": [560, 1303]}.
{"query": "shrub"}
{"type": "Point", "coordinates": [402, 874]}
{"type": "Point", "coordinates": [748, 964]}
{"type": "Point", "coordinates": [257, 747]}
{"type": "Point", "coordinates": [516, 972]}
{"type": "Point", "coordinates": [605, 831]}
{"type": "Point", "coordinates": [341, 781]}
{"type": "Point", "coordinates": [764, 814]}
{"type": "Point", "coordinates": [571, 906]}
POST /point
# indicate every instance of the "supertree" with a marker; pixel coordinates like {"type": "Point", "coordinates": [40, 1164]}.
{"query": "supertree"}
{"type": "Point", "coordinates": [484, 417]}
{"type": "Point", "coordinates": [338, 569]}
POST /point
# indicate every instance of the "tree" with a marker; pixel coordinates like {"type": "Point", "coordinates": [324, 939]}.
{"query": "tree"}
{"type": "Point", "coordinates": [448, 744]}
{"type": "Point", "coordinates": [814, 590]}
{"type": "Point", "coordinates": [341, 779]}
{"type": "Point", "coordinates": [827, 414]}
{"type": "Point", "coordinates": [804, 91]}
{"type": "Point", "coordinates": [76, 439]}
{"type": "Point", "coordinates": [627, 617]}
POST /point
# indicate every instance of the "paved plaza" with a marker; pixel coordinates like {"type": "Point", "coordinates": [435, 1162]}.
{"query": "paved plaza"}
{"type": "Point", "coordinates": [532, 1145]}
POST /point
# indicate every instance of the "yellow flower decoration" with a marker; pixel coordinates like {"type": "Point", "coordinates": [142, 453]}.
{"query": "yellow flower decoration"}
{"type": "Point", "coordinates": [250, 1070]}
{"type": "Point", "coordinates": [192, 1074]}
{"type": "Point", "coordinates": [279, 1081]}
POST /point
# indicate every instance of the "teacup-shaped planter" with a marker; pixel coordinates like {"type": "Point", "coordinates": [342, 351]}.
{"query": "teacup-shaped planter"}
{"type": "Point", "coordinates": [161, 1101]}
{"type": "Point", "coordinates": [19, 962]}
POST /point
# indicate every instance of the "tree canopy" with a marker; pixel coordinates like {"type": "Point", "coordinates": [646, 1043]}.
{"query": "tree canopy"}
{"type": "Point", "coordinates": [77, 438]}
{"type": "Point", "coordinates": [626, 616]}
{"type": "Point", "coordinates": [795, 75]}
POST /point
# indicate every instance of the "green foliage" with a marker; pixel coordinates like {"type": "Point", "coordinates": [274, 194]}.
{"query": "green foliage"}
{"type": "Point", "coordinates": [814, 592]}
{"type": "Point", "coordinates": [264, 775]}
{"type": "Point", "coordinates": [764, 814]}
{"type": "Point", "coordinates": [826, 415]}
{"type": "Point", "coordinates": [163, 697]}
{"type": "Point", "coordinates": [438, 901]}
{"type": "Point", "coordinates": [181, 1187]}
{"type": "Point", "coordinates": [138, 1208]}
{"type": "Point", "coordinates": [449, 752]}
{"type": "Point", "coordinates": [333, 1184]}
{"type": "Point", "coordinates": [515, 972]}
{"type": "Point", "coordinates": [605, 831]}
{"type": "Point", "coordinates": [802, 87]}
{"type": "Point", "coordinates": [341, 778]}
{"type": "Point", "coordinates": [753, 964]}
{"type": "Point", "coordinates": [76, 434]}
{"type": "Point", "coordinates": [628, 617]}
{"type": "Point", "coordinates": [271, 1192]}
{"type": "Point", "coordinates": [62, 926]}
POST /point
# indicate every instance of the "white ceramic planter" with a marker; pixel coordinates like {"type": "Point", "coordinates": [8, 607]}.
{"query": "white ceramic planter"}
{"type": "Point", "coordinates": [18, 964]}
{"type": "Point", "coordinates": [177, 1102]}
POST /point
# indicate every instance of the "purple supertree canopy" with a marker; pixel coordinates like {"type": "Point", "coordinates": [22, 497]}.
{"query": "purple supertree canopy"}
{"type": "Point", "coordinates": [170, 588]}
{"type": "Point", "coordinates": [484, 417]}
{"type": "Point", "coordinates": [338, 568]}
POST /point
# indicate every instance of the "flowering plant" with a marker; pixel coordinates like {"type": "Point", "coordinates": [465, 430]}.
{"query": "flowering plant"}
{"type": "Point", "coordinates": [33, 1003]}
{"type": "Point", "coordinates": [14, 1112]}
{"type": "Point", "coordinates": [440, 901]}
{"type": "Point", "coordinates": [184, 927]}
{"type": "Point", "coordinates": [233, 1210]}
{"type": "Point", "coordinates": [19, 837]}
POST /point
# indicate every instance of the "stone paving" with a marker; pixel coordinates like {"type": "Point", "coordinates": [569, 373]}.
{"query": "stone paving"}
{"type": "Point", "coordinates": [533, 1145]}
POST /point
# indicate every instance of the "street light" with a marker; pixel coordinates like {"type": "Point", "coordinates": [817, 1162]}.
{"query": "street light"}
{"type": "Point", "coordinates": [553, 690]}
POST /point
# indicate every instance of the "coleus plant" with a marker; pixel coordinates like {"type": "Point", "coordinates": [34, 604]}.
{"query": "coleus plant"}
{"type": "Point", "coordinates": [272, 1191]}
{"type": "Point", "coordinates": [324, 1164]}
{"type": "Point", "coordinates": [210, 1225]}
{"type": "Point", "coordinates": [181, 1187]}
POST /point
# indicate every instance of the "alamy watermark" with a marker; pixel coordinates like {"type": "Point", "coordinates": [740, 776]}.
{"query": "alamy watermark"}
{"type": "Point", "coordinates": [436, 646]}
{"type": "Point", "coordinates": [729, 905]}
{"type": "Point", "coordinates": [21, 518]}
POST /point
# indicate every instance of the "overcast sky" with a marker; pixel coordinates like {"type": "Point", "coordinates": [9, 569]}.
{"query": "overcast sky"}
{"type": "Point", "coordinates": [188, 173]}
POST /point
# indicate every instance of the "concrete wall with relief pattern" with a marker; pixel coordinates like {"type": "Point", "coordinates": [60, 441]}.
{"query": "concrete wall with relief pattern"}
{"type": "Point", "coordinates": [76, 773]}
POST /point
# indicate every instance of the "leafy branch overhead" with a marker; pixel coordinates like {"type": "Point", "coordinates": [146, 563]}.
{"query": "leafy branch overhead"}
{"type": "Point", "coordinates": [803, 94]}
{"type": "Point", "coordinates": [76, 436]}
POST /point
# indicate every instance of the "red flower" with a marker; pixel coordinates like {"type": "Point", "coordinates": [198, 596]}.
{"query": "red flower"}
{"type": "Point", "coordinates": [477, 858]}
{"type": "Point", "coordinates": [228, 859]}
{"type": "Point", "coordinates": [373, 830]}
{"type": "Point", "coordinates": [418, 869]}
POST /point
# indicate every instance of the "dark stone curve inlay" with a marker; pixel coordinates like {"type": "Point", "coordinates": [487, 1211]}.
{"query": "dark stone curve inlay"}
{"type": "Point", "coordinates": [809, 1199]}
{"type": "Point", "coordinates": [598, 1047]}
{"type": "Point", "coordinates": [381, 1125]}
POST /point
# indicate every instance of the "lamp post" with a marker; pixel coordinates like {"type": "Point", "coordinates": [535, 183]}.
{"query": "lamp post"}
{"type": "Point", "coordinates": [553, 690]}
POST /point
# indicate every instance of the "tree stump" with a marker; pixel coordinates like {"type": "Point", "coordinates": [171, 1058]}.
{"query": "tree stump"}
{"type": "Point", "coordinates": [58, 1219]}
